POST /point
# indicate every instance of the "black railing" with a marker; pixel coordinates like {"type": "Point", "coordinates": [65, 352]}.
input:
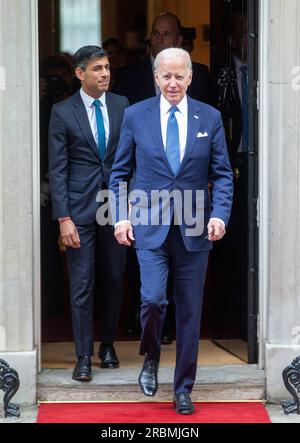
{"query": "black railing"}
{"type": "Point", "coordinates": [291, 378]}
{"type": "Point", "coordinates": [9, 383]}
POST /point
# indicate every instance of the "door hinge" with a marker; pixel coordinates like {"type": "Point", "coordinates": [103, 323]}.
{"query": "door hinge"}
{"type": "Point", "coordinates": [257, 212]}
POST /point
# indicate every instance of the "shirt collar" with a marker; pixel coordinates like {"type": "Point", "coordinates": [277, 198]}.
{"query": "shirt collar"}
{"type": "Point", "coordinates": [165, 105]}
{"type": "Point", "coordinates": [88, 100]}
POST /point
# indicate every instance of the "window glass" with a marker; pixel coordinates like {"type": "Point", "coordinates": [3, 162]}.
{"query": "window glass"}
{"type": "Point", "coordinates": [80, 24]}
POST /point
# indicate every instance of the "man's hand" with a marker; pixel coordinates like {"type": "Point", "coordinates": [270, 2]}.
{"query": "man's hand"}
{"type": "Point", "coordinates": [69, 234]}
{"type": "Point", "coordinates": [216, 230]}
{"type": "Point", "coordinates": [124, 234]}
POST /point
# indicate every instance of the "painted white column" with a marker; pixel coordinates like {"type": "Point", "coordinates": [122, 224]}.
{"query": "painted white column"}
{"type": "Point", "coordinates": [18, 145]}
{"type": "Point", "coordinates": [281, 127]}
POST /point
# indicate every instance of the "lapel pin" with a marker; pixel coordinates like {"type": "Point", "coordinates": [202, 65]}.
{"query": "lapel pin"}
{"type": "Point", "coordinates": [196, 116]}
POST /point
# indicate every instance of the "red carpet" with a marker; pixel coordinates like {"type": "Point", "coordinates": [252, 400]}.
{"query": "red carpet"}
{"type": "Point", "coordinates": [150, 413]}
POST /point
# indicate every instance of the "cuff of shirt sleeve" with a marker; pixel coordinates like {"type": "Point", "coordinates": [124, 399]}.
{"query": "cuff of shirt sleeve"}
{"type": "Point", "coordinates": [121, 222]}
{"type": "Point", "coordinates": [220, 220]}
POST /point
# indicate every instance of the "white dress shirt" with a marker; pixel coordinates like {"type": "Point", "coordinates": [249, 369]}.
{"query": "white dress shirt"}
{"type": "Point", "coordinates": [90, 109]}
{"type": "Point", "coordinates": [182, 118]}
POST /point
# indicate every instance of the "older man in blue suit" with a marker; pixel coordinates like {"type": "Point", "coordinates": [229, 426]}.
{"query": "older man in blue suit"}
{"type": "Point", "coordinates": [177, 145]}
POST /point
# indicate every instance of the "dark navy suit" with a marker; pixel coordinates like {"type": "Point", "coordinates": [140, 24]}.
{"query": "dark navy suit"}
{"type": "Point", "coordinates": [76, 175]}
{"type": "Point", "coordinates": [164, 247]}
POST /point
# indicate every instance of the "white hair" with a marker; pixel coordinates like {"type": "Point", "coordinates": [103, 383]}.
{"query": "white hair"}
{"type": "Point", "coordinates": [173, 54]}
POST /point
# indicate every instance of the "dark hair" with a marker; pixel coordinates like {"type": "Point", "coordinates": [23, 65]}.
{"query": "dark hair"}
{"type": "Point", "coordinates": [171, 16]}
{"type": "Point", "coordinates": [53, 62]}
{"type": "Point", "coordinates": [85, 54]}
{"type": "Point", "coordinates": [115, 42]}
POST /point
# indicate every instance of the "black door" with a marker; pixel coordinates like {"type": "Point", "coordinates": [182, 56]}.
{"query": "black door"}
{"type": "Point", "coordinates": [234, 259]}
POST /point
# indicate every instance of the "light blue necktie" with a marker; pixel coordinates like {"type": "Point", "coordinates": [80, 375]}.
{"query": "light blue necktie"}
{"type": "Point", "coordinates": [245, 109]}
{"type": "Point", "coordinates": [172, 142]}
{"type": "Point", "coordinates": [100, 128]}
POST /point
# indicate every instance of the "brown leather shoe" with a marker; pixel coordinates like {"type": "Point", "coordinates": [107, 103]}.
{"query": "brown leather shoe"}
{"type": "Point", "coordinates": [183, 404]}
{"type": "Point", "coordinates": [82, 370]}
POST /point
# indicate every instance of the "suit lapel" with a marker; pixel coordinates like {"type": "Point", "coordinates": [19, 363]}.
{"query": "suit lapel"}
{"type": "Point", "coordinates": [83, 121]}
{"type": "Point", "coordinates": [112, 120]}
{"type": "Point", "coordinates": [155, 129]}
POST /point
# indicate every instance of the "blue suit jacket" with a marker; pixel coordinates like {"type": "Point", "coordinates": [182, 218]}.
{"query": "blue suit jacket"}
{"type": "Point", "coordinates": [76, 172]}
{"type": "Point", "coordinates": [141, 151]}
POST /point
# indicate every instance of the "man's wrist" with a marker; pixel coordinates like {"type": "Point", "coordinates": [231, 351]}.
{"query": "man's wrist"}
{"type": "Point", "coordinates": [63, 219]}
{"type": "Point", "coordinates": [218, 219]}
{"type": "Point", "coordinates": [122, 222]}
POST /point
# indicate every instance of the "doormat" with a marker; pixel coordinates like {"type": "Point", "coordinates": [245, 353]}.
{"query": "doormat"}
{"type": "Point", "coordinates": [151, 412]}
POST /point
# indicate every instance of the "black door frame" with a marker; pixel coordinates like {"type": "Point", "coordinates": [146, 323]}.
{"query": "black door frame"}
{"type": "Point", "coordinates": [227, 338]}
{"type": "Point", "coordinates": [253, 15]}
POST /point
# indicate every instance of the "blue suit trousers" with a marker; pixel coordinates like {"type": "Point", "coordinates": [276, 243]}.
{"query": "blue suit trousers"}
{"type": "Point", "coordinates": [188, 272]}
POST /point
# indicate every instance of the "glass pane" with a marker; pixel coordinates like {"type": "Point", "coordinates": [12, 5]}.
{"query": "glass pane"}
{"type": "Point", "coordinates": [80, 24]}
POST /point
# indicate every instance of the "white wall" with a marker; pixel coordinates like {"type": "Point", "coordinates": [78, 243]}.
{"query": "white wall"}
{"type": "Point", "coordinates": [18, 111]}
{"type": "Point", "coordinates": [282, 124]}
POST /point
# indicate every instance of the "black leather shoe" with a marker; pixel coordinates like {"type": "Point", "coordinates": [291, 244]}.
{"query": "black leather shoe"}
{"type": "Point", "coordinates": [183, 403]}
{"type": "Point", "coordinates": [108, 357]}
{"type": "Point", "coordinates": [166, 339]}
{"type": "Point", "coordinates": [148, 377]}
{"type": "Point", "coordinates": [82, 370]}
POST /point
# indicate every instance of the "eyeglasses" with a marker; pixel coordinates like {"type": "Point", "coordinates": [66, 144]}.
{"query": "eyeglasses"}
{"type": "Point", "coordinates": [165, 34]}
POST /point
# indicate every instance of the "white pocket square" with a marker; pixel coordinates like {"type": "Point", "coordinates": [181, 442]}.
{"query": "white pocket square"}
{"type": "Point", "coordinates": [202, 134]}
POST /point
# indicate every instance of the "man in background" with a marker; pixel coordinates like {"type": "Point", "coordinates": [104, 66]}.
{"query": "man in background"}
{"type": "Point", "coordinates": [137, 82]}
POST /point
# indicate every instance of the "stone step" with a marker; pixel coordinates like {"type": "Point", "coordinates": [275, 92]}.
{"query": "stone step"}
{"type": "Point", "coordinates": [213, 383]}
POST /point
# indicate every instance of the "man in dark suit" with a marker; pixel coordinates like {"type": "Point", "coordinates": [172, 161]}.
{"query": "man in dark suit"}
{"type": "Point", "coordinates": [137, 82]}
{"type": "Point", "coordinates": [176, 146]}
{"type": "Point", "coordinates": [83, 135]}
